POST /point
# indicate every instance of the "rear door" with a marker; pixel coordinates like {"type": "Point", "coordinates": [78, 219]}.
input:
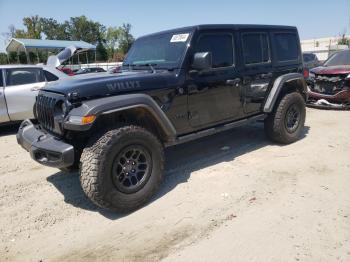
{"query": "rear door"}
{"type": "Point", "coordinates": [22, 85]}
{"type": "Point", "coordinates": [4, 117]}
{"type": "Point", "coordinates": [256, 69]}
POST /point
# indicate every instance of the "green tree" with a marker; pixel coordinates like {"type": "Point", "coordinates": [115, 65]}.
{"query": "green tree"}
{"type": "Point", "coordinates": [3, 59]}
{"type": "Point", "coordinates": [344, 40]}
{"type": "Point", "coordinates": [126, 38]}
{"type": "Point", "coordinates": [33, 26]}
{"type": "Point", "coordinates": [101, 52]}
{"type": "Point", "coordinates": [112, 40]}
{"type": "Point", "coordinates": [54, 30]}
{"type": "Point", "coordinates": [80, 28]}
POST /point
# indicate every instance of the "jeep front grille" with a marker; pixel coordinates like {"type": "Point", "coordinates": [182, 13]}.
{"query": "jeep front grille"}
{"type": "Point", "coordinates": [45, 111]}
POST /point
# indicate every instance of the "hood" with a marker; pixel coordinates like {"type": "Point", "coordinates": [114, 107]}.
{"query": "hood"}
{"type": "Point", "coordinates": [331, 70]}
{"type": "Point", "coordinates": [64, 55]}
{"type": "Point", "coordinates": [104, 84]}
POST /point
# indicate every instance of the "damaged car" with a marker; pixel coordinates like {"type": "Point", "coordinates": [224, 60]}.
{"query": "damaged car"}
{"type": "Point", "coordinates": [329, 84]}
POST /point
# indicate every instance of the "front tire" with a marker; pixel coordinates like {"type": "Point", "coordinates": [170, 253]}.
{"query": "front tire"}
{"type": "Point", "coordinates": [285, 123]}
{"type": "Point", "coordinates": [122, 169]}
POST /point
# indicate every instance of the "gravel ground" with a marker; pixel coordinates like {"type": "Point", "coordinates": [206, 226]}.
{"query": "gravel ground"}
{"type": "Point", "coordinates": [234, 196]}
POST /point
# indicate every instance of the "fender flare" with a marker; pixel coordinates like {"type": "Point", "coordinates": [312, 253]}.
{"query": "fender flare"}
{"type": "Point", "coordinates": [109, 105]}
{"type": "Point", "coordinates": [278, 86]}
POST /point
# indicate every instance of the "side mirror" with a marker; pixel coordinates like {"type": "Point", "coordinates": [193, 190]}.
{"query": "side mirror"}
{"type": "Point", "coordinates": [202, 61]}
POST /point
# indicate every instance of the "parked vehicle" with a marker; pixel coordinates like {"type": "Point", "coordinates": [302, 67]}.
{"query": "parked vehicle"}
{"type": "Point", "coordinates": [310, 60]}
{"type": "Point", "coordinates": [115, 69]}
{"type": "Point", "coordinates": [88, 70]}
{"type": "Point", "coordinates": [329, 86]}
{"type": "Point", "coordinates": [176, 86]}
{"type": "Point", "coordinates": [67, 71]}
{"type": "Point", "coordinates": [19, 85]}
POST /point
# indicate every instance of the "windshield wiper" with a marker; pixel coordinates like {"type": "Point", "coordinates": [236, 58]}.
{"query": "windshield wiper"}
{"type": "Point", "coordinates": [149, 65]}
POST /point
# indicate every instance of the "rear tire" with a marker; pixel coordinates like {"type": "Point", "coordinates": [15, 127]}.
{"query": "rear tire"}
{"type": "Point", "coordinates": [285, 123]}
{"type": "Point", "coordinates": [122, 169]}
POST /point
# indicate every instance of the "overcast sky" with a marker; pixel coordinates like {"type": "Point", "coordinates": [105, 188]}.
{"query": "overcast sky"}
{"type": "Point", "coordinates": [313, 18]}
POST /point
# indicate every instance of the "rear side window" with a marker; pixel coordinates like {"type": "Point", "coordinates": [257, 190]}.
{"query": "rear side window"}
{"type": "Point", "coordinates": [286, 47]}
{"type": "Point", "coordinates": [255, 48]}
{"type": "Point", "coordinates": [220, 46]}
{"type": "Point", "coordinates": [49, 76]}
{"type": "Point", "coordinates": [22, 76]}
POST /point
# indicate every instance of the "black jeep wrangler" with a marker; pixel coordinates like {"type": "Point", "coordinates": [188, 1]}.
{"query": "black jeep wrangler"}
{"type": "Point", "coordinates": [174, 86]}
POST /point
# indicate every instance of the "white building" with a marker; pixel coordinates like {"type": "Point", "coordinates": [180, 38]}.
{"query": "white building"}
{"type": "Point", "coordinates": [322, 47]}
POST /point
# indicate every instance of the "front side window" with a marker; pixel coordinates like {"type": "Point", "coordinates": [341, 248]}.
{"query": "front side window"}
{"type": "Point", "coordinates": [286, 47]}
{"type": "Point", "coordinates": [255, 48]}
{"type": "Point", "coordinates": [220, 46]}
{"type": "Point", "coordinates": [161, 51]}
{"type": "Point", "coordinates": [22, 76]}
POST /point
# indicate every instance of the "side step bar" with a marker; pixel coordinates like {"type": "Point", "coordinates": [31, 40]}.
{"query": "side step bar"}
{"type": "Point", "coordinates": [217, 129]}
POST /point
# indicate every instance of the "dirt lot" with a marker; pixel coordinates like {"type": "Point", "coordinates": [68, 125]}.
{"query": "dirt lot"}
{"type": "Point", "coordinates": [230, 197]}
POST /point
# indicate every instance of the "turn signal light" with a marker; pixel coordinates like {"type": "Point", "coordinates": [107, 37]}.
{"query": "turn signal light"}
{"type": "Point", "coordinates": [88, 119]}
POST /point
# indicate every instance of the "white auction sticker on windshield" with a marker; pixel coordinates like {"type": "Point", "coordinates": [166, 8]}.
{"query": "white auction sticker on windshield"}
{"type": "Point", "coordinates": [179, 38]}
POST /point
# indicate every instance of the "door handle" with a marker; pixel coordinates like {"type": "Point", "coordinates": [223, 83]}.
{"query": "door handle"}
{"type": "Point", "coordinates": [233, 82]}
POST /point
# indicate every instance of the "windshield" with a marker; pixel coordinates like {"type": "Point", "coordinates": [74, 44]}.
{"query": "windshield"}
{"type": "Point", "coordinates": [341, 58]}
{"type": "Point", "coordinates": [163, 51]}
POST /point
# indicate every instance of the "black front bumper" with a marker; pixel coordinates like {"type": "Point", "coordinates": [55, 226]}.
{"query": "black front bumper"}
{"type": "Point", "coordinates": [45, 148]}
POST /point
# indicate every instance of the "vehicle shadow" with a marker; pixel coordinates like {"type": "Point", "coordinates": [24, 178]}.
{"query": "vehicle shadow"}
{"type": "Point", "coordinates": [181, 161]}
{"type": "Point", "coordinates": [9, 129]}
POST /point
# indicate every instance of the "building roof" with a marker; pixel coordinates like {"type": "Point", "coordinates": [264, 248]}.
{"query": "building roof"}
{"type": "Point", "coordinates": [20, 44]}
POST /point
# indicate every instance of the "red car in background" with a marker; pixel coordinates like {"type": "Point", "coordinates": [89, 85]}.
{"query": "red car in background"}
{"type": "Point", "coordinates": [329, 84]}
{"type": "Point", "coordinates": [67, 71]}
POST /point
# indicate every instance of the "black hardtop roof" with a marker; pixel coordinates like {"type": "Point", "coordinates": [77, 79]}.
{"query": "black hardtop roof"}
{"type": "Point", "coordinates": [224, 26]}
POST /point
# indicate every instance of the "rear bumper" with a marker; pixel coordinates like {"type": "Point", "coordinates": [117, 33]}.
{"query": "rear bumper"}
{"type": "Point", "coordinates": [44, 148]}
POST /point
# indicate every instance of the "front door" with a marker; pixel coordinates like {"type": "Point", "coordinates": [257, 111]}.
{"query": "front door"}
{"type": "Point", "coordinates": [214, 95]}
{"type": "Point", "coordinates": [22, 85]}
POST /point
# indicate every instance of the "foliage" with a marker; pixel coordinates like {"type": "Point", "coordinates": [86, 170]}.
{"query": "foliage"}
{"type": "Point", "coordinates": [126, 39]}
{"type": "Point", "coordinates": [3, 59]}
{"type": "Point", "coordinates": [54, 30]}
{"type": "Point", "coordinates": [33, 25]}
{"type": "Point", "coordinates": [101, 52]}
{"type": "Point", "coordinates": [112, 40]}
{"type": "Point", "coordinates": [344, 40]}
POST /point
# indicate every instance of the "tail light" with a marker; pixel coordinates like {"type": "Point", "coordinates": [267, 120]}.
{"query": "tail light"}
{"type": "Point", "coordinates": [306, 73]}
